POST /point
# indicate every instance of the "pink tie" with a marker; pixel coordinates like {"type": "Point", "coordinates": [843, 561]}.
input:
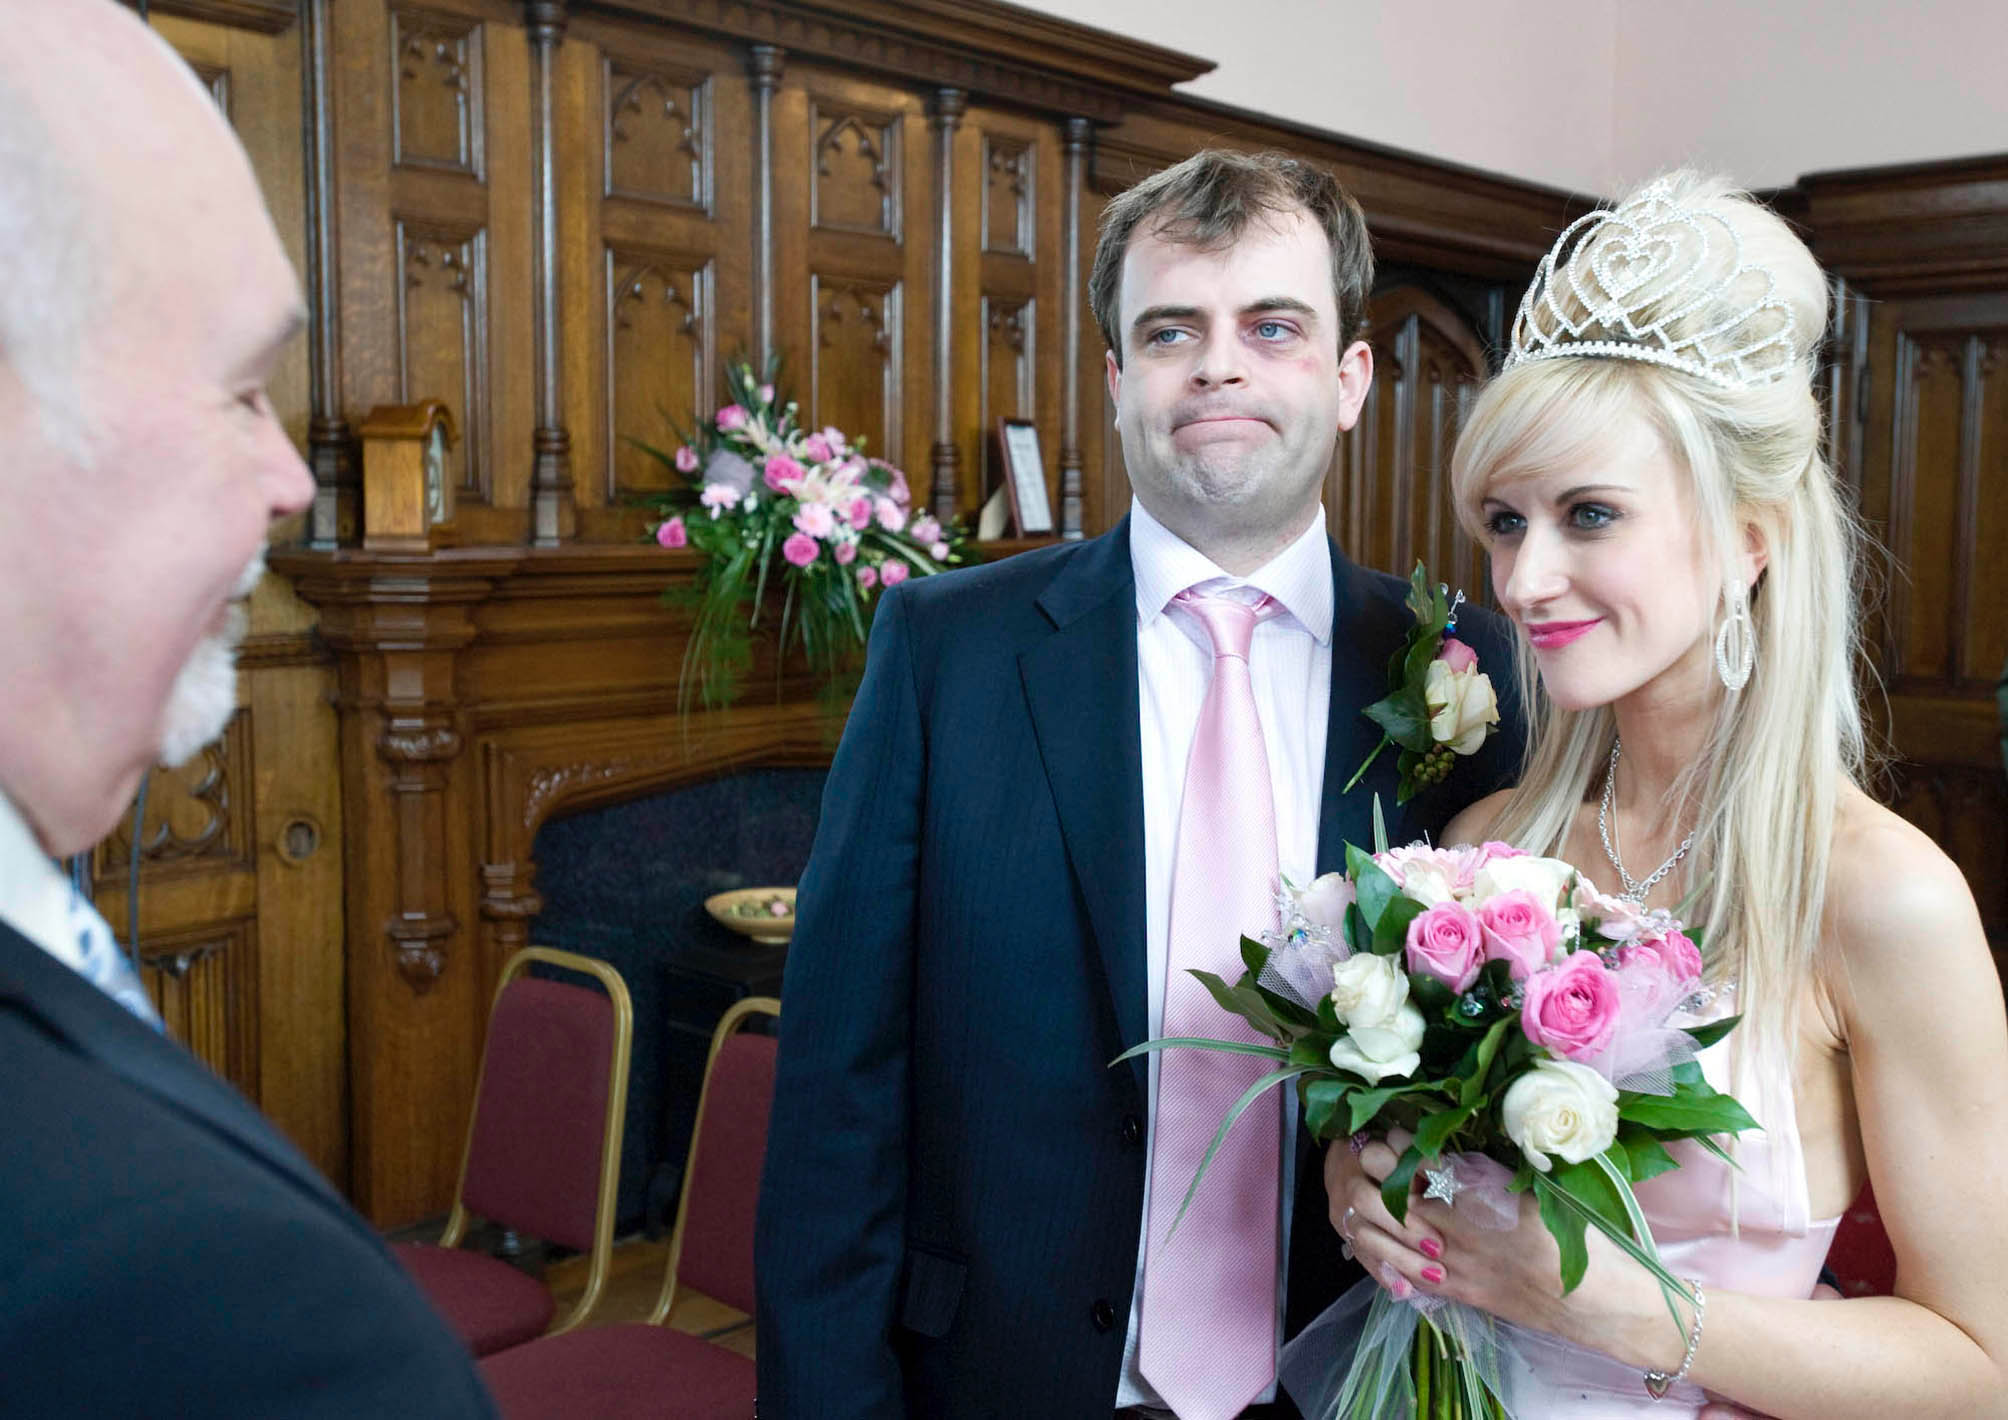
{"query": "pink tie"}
{"type": "Point", "coordinates": [1207, 1341]}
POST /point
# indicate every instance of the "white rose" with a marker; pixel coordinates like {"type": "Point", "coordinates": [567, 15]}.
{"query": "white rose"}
{"type": "Point", "coordinates": [1546, 878]}
{"type": "Point", "coordinates": [1325, 901]}
{"type": "Point", "coordinates": [1560, 1108]}
{"type": "Point", "coordinates": [1461, 706]}
{"type": "Point", "coordinates": [1368, 991]}
{"type": "Point", "coordinates": [1374, 1052]}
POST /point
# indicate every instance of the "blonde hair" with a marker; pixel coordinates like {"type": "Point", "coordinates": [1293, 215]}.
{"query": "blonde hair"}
{"type": "Point", "coordinates": [1764, 793]}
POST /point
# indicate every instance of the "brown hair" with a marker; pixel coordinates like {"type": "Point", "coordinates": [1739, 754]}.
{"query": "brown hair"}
{"type": "Point", "coordinates": [1208, 200]}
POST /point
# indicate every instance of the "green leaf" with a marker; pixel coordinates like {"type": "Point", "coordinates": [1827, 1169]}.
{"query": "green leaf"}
{"type": "Point", "coordinates": [1201, 1042]}
{"type": "Point", "coordinates": [1375, 891]}
{"type": "Point", "coordinates": [1254, 955]}
{"type": "Point", "coordinates": [1404, 717]}
{"type": "Point", "coordinates": [1647, 1156]}
{"type": "Point", "coordinates": [1705, 1036]}
{"type": "Point", "coordinates": [1430, 996]}
{"type": "Point", "coordinates": [1394, 1188]}
{"type": "Point", "coordinates": [1311, 1049]}
{"type": "Point", "coordinates": [1551, 1186]}
{"type": "Point", "coordinates": [1435, 1129]}
{"type": "Point", "coordinates": [1592, 1186]}
{"type": "Point", "coordinates": [1709, 1113]}
{"type": "Point", "coordinates": [1565, 1222]}
{"type": "Point", "coordinates": [1380, 828]}
{"type": "Point", "coordinates": [1487, 1051]}
{"type": "Point", "coordinates": [1365, 1103]}
{"type": "Point", "coordinates": [1322, 1099]}
{"type": "Point", "coordinates": [1358, 860]}
{"type": "Point", "coordinates": [1391, 932]}
{"type": "Point", "coordinates": [1291, 1016]}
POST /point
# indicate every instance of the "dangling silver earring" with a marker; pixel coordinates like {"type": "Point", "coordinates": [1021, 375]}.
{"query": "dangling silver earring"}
{"type": "Point", "coordinates": [1736, 644]}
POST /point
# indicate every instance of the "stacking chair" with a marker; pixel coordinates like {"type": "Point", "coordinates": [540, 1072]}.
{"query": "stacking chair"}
{"type": "Point", "coordinates": [543, 1149]}
{"type": "Point", "coordinates": [645, 1369]}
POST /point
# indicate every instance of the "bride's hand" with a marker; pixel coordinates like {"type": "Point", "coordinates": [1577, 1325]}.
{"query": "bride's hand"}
{"type": "Point", "coordinates": [1513, 1273]}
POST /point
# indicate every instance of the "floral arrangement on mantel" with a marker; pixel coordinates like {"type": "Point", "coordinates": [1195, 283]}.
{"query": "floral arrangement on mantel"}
{"type": "Point", "coordinates": [799, 530]}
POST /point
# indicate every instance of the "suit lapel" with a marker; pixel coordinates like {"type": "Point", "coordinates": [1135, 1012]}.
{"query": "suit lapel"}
{"type": "Point", "coordinates": [97, 1027]}
{"type": "Point", "coordinates": [1081, 686]}
{"type": "Point", "coordinates": [1365, 631]}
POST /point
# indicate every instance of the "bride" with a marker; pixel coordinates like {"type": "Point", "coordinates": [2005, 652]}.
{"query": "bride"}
{"type": "Point", "coordinates": [1666, 534]}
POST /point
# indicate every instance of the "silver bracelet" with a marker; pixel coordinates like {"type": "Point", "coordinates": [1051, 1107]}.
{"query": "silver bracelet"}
{"type": "Point", "coordinates": [1658, 1383]}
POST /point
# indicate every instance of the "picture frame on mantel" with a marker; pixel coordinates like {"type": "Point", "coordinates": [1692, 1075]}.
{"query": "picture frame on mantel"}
{"type": "Point", "coordinates": [1025, 477]}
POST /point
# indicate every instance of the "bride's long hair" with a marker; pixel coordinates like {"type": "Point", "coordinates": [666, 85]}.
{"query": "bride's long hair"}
{"type": "Point", "coordinates": [1764, 794]}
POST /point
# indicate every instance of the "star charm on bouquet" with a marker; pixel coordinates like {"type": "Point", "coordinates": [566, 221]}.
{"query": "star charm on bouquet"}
{"type": "Point", "coordinates": [1443, 1183]}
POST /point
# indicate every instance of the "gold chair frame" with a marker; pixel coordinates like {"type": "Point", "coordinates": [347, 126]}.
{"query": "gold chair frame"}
{"type": "Point", "coordinates": [727, 1025]}
{"type": "Point", "coordinates": [616, 1122]}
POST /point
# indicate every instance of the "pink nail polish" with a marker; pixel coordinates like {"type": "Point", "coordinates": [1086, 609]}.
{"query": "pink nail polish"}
{"type": "Point", "coordinates": [1432, 1275]}
{"type": "Point", "coordinates": [1431, 1248]}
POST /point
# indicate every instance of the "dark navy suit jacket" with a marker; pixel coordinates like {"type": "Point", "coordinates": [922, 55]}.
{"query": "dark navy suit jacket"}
{"type": "Point", "coordinates": [163, 1252]}
{"type": "Point", "coordinates": [953, 1192]}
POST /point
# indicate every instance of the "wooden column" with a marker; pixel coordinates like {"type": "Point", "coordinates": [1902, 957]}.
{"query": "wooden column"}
{"type": "Point", "coordinates": [947, 108]}
{"type": "Point", "coordinates": [1079, 133]}
{"type": "Point", "coordinates": [763, 62]}
{"type": "Point", "coordinates": [553, 514]}
{"type": "Point", "coordinates": [333, 516]}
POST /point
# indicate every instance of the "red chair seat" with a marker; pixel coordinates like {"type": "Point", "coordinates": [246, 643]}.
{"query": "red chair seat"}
{"type": "Point", "coordinates": [489, 1303]}
{"type": "Point", "coordinates": [631, 1371]}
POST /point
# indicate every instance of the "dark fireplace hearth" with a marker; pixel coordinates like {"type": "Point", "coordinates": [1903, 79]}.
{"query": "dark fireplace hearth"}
{"type": "Point", "coordinates": [627, 883]}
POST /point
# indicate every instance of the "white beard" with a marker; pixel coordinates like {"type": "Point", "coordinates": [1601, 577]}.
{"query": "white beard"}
{"type": "Point", "coordinates": [204, 696]}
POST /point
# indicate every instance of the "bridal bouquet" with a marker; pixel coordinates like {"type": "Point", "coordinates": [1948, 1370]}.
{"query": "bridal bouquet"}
{"type": "Point", "coordinates": [782, 513]}
{"type": "Point", "coordinates": [1515, 1022]}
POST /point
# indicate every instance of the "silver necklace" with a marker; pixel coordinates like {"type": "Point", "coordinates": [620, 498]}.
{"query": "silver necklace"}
{"type": "Point", "coordinates": [1634, 891]}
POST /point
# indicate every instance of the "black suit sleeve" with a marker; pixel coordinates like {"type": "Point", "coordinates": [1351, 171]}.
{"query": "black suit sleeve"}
{"type": "Point", "coordinates": [832, 1213]}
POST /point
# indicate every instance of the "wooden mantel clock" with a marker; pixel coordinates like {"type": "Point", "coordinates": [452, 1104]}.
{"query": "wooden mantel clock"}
{"type": "Point", "coordinates": [407, 493]}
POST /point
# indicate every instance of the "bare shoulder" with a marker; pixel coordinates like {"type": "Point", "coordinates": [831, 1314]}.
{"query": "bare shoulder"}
{"type": "Point", "coordinates": [1893, 894]}
{"type": "Point", "coordinates": [1472, 825]}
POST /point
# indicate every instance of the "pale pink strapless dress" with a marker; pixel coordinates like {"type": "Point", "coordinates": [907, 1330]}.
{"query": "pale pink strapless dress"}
{"type": "Point", "coordinates": [1775, 1249]}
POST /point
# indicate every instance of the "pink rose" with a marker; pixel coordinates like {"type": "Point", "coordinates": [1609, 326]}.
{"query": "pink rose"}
{"type": "Point", "coordinates": [939, 552]}
{"type": "Point", "coordinates": [896, 488]}
{"type": "Point", "coordinates": [834, 437]}
{"type": "Point", "coordinates": [718, 495]}
{"type": "Point", "coordinates": [1492, 849]}
{"type": "Point", "coordinates": [1671, 952]}
{"type": "Point", "coordinates": [845, 552]}
{"type": "Point", "coordinates": [861, 513]}
{"type": "Point", "coordinates": [766, 394]}
{"type": "Point", "coordinates": [733, 416]}
{"type": "Point", "coordinates": [925, 529]}
{"type": "Point", "coordinates": [867, 577]}
{"type": "Point", "coordinates": [1572, 1009]}
{"type": "Point", "coordinates": [1447, 943]}
{"type": "Point", "coordinates": [672, 533]}
{"type": "Point", "coordinates": [800, 549]}
{"type": "Point", "coordinates": [784, 475]}
{"type": "Point", "coordinates": [1455, 654]}
{"type": "Point", "coordinates": [893, 573]}
{"type": "Point", "coordinates": [1519, 931]}
{"type": "Point", "coordinates": [817, 448]}
{"type": "Point", "coordinates": [891, 516]}
{"type": "Point", "coordinates": [686, 460]}
{"type": "Point", "coordinates": [816, 520]}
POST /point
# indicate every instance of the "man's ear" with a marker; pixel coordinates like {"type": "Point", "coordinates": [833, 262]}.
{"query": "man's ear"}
{"type": "Point", "coordinates": [1115, 377]}
{"type": "Point", "coordinates": [1356, 377]}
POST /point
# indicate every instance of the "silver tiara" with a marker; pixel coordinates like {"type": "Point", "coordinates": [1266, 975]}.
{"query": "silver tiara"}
{"type": "Point", "coordinates": [1662, 283]}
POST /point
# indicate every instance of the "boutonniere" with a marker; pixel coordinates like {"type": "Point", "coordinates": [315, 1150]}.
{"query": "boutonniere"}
{"type": "Point", "coordinates": [1439, 704]}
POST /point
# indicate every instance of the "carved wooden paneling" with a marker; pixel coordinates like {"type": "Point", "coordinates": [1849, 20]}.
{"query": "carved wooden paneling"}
{"type": "Point", "coordinates": [1010, 335]}
{"type": "Point", "coordinates": [855, 360]}
{"type": "Point", "coordinates": [658, 136]}
{"type": "Point", "coordinates": [442, 330]}
{"type": "Point", "coordinates": [205, 984]}
{"type": "Point", "coordinates": [661, 344]}
{"type": "Point", "coordinates": [198, 814]}
{"type": "Point", "coordinates": [216, 79]}
{"type": "Point", "coordinates": [436, 103]}
{"type": "Point", "coordinates": [1009, 195]}
{"type": "Point", "coordinates": [855, 171]}
{"type": "Point", "coordinates": [1390, 501]}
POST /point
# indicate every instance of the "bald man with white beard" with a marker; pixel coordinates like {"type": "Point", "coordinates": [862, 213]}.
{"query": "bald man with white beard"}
{"type": "Point", "coordinates": [166, 1251]}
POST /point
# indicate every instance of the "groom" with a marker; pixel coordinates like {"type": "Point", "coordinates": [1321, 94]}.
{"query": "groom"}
{"type": "Point", "coordinates": [1069, 777]}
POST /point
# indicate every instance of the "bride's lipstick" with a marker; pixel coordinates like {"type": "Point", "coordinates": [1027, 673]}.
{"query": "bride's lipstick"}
{"type": "Point", "coordinates": [1553, 635]}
